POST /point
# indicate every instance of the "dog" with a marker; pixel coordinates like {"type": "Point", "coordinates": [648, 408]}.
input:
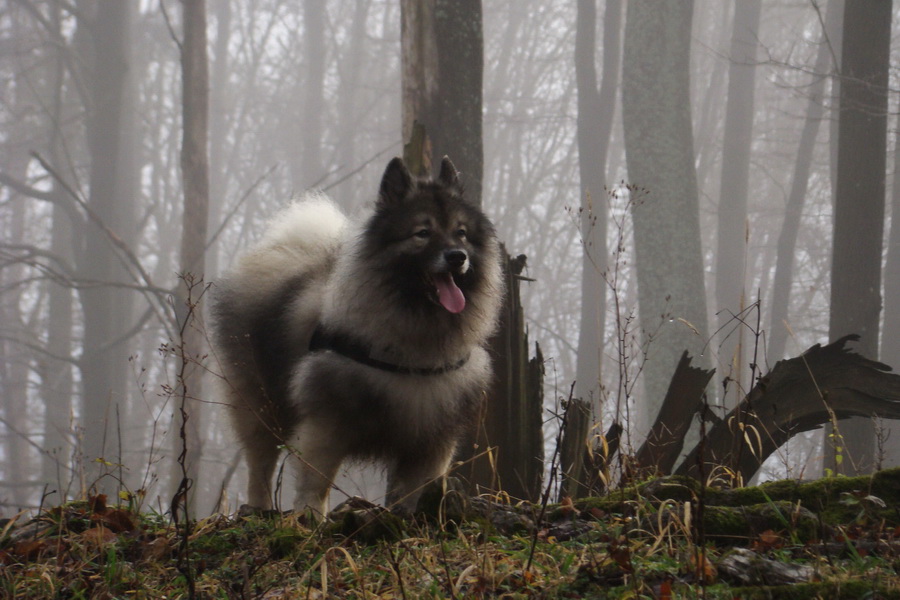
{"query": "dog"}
{"type": "Point", "coordinates": [361, 342]}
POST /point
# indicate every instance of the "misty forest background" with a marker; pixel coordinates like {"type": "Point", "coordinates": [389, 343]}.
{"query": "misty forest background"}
{"type": "Point", "coordinates": [701, 175]}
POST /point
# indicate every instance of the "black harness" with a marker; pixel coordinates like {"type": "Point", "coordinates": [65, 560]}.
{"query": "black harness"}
{"type": "Point", "coordinates": [357, 350]}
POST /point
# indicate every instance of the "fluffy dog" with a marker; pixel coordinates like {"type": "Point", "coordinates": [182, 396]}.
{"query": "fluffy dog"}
{"type": "Point", "coordinates": [342, 342]}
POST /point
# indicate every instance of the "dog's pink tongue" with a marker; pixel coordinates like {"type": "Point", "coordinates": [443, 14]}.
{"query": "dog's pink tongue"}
{"type": "Point", "coordinates": [450, 296]}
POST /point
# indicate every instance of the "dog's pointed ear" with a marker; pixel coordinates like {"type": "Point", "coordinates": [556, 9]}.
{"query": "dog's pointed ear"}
{"type": "Point", "coordinates": [449, 176]}
{"type": "Point", "coordinates": [395, 183]}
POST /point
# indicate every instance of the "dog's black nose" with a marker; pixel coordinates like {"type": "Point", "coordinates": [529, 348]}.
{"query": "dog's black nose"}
{"type": "Point", "coordinates": [455, 258]}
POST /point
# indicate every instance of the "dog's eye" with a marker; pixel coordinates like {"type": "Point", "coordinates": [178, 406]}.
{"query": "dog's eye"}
{"type": "Point", "coordinates": [461, 233]}
{"type": "Point", "coordinates": [423, 234]}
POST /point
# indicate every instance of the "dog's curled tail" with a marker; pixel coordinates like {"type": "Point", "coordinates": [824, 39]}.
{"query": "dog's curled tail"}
{"type": "Point", "coordinates": [298, 240]}
{"type": "Point", "coordinates": [308, 224]}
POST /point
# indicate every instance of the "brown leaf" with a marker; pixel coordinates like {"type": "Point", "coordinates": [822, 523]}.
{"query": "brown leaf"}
{"type": "Point", "coordinates": [622, 556]}
{"type": "Point", "coordinates": [98, 537]}
{"type": "Point", "coordinates": [115, 519]}
{"type": "Point", "coordinates": [97, 503]}
{"type": "Point", "coordinates": [768, 540]}
{"type": "Point", "coordinates": [29, 549]}
{"type": "Point", "coordinates": [597, 513]}
{"type": "Point", "coordinates": [702, 566]}
{"type": "Point", "coordinates": [155, 549]}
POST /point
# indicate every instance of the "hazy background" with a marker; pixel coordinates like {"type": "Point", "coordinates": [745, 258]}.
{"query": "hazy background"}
{"type": "Point", "coordinates": [306, 94]}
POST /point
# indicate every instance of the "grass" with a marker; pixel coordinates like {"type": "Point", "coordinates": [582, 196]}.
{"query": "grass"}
{"type": "Point", "coordinates": [644, 549]}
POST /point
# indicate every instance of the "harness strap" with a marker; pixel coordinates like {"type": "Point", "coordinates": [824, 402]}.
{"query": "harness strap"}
{"type": "Point", "coordinates": [355, 349]}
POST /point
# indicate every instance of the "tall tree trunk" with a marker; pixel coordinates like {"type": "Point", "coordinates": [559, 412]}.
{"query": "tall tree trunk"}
{"type": "Point", "coordinates": [419, 64]}
{"type": "Point", "coordinates": [56, 375]}
{"type": "Point", "coordinates": [732, 231]}
{"type": "Point", "coordinates": [195, 175]}
{"type": "Point", "coordinates": [787, 239]}
{"type": "Point", "coordinates": [659, 153]}
{"type": "Point", "coordinates": [14, 364]}
{"type": "Point", "coordinates": [595, 116]}
{"type": "Point", "coordinates": [859, 206]}
{"type": "Point", "coordinates": [349, 90]}
{"type": "Point", "coordinates": [219, 101]}
{"type": "Point", "coordinates": [459, 39]}
{"type": "Point", "coordinates": [443, 67]}
{"type": "Point", "coordinates": [314, 27]}
{"type": "Point", "coordinates": [890, 349]}
{"type": "Point", "coordinates": [104, 357]}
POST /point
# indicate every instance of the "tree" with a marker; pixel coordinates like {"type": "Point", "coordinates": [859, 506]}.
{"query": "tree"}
{"type": "Point", "coordinates": [659, 153]}
{"type": "Point", "coordinates": [104, 35]}
{"type": "Point", "coordinates": [195, 175]}
{"type": "Point", "coordinates": [459, 39]}
{"type": "Point", "coordinates": [731, 268]}
{"type": "Point", "coordinates": [596, 109]}
{"type": "Point", "coordinates": [787, 239]}
{"type": "Point", "coordinates": [859, 203]}
{"type": "Point", "coordinates": [890, 350]}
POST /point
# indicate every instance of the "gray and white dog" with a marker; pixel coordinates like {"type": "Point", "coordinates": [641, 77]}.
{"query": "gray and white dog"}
{"type": "Point", "coordinates": [362, 342]}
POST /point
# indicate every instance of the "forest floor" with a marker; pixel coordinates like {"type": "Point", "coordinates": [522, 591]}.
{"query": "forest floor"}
{"type": "Point", "coordinates": [836, 538]}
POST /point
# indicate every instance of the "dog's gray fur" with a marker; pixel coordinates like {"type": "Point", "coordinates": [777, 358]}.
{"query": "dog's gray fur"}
{"type": "Point", "coordinates": [376, 284]}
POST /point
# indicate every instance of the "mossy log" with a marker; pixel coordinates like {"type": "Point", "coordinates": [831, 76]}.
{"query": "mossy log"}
{"type": "Point", "coordinates": [797, 395]}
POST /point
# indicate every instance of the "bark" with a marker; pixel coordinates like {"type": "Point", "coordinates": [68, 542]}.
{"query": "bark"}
{"type": "Point", "coordinates": [797, 395]}
{"type": "Point", "coordinates": [596, 109]}
{"type": "Point", "coordinates": [419, 64]}
{"type": "Point", "coordinates": [859, 204]}
{"type": "Point", "coordinates": [443, 67]}
{"type": "Point", "coordinates": [459, 41]}
{"type": "Point", "coordinates": [15, 365]}
{"type": "Point", "coordinates": [106, 309]}
{"type": "Point", "coordinates": [733, 240]}
{"type": "Point", "coordinates": [219, 101]}
{"type": "Point", "coordinates": [890, 350]}
{"type": "Point", "coordinates": [659, 153]}
{"type": "Point", "coordinates": [511, 427]}
{"type": "Point", "coordinates": [56, 375]}
{"type": "Point", "coordinates": [684, 399]}
{"type": "Point", "coordinates": [787, 239]}
{"type": "Point", "coordinates": [313, 108]}
{"type": "Point", "coordinates": [195, 176]}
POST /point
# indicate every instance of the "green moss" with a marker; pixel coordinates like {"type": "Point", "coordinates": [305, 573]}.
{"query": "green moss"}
{"type": "Point", "coordinates": [729, 524]}
{"type": "Point", "coordinates": [840, 590]}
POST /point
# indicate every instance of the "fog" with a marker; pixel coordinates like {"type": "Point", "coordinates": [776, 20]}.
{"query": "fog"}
{"type": "Point", "coordinates": [307, 94]}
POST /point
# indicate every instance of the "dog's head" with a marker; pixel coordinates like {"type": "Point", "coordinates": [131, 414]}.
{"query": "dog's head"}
{"type": "Point", "coordinates": [427, 239]}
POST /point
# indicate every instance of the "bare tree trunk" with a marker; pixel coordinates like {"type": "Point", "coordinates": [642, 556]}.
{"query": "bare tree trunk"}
{"type": "Point", "coordinates": [349, 90]}
{"type": "Point", "coordinates": [859, 206]}
{"type": "Point", "coordinates": [731, 264]}
{"type": "Point", "coordinates": [787, 239]}
{"type": "Point", "coordinates": [105, 308]}
{"type": "Point", "coordinates": [595, 116]}
{"type": "Point", "coordinates": [195, 174]}
{"type": "Point", "coordinates": [443, 66]}
{"type": "Point", "coordinates": [659, 152]}
{"type": "Point", "coordinates": [314, 27]}
{"type": "Point", "coordinates": [890, 350]}
{"type": "Point", "coordinates": [14, 368]}
{"type": "Point", "coordinates": [56, 375]}
{"type": "Point", "coordinates": [420, 77]}
{"type": "Point", "coordinates": [220, 91]}
{"type": "Point", "coordinates": [460, 55]}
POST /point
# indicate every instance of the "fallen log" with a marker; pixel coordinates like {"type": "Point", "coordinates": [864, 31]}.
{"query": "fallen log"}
{"type": "Point", "coordinates": [684, 399]}
{"type": "Point", "coordinates": [826, 383]}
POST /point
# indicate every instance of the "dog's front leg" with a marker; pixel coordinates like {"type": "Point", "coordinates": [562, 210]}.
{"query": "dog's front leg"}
{"type": "Point", "coordinates": [316, 455]}
{"type": "Point", "coordinates": [409, 475]}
